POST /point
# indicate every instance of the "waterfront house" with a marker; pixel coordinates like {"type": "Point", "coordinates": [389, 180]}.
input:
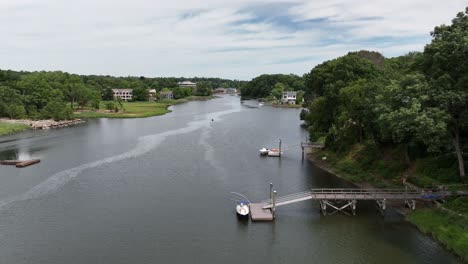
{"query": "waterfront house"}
{"type": "Point", "coordinates": [124, 94]}
{"type": "Point", "coordinates": [152, 95]}
{"type": "Point", "coordinates": [166, 95]}
{"type": "Point", "coordinates": [289, 97]}
{"type": "Point", "coordinates": [220, 90]}
{"type": "Point", "coordinates": [231, 90]}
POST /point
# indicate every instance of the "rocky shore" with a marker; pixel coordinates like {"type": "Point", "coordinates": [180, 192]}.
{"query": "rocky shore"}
{"type": "Point", "coordinates": [43, 124]}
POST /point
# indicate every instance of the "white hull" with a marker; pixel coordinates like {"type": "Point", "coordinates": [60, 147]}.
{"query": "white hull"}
{"type": "Point", "coordinates": [264, 151]}
{"type": "Point", "coordinates": [274, 153]}
{"type": "Point", "coordinates": [242, 209]}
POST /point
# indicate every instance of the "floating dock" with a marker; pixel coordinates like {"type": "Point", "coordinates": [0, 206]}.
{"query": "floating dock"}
{"type": "Point", "coordinates": [257, 213]}
{"type": "Point", "coordinates": [20, 163]}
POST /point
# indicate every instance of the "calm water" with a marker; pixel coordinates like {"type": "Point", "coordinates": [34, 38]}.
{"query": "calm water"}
{"type": "Point", "coordinates": [157, 190]}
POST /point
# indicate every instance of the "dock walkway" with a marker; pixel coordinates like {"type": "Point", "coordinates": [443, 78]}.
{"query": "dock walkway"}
{"type": "Point", "coordinates": [340, 199]}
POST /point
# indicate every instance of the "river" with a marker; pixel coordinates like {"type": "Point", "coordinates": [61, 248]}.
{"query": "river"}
{"type": "Point", "coordinates": [157, 190]}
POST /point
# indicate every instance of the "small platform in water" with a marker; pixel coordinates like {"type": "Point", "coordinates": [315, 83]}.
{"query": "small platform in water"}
{"type": "Point", "coordinates": [20, 163]}
{"type": "Point", "coordinates": [257, 213]}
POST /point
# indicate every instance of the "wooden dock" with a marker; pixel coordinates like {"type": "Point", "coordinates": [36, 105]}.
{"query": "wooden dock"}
{"type": "Point", "coordinates": [345, 200]}
{"type": "Point", "coordinates": [20, 163]}
{"type": "Point", "coordinates": [257, 213]}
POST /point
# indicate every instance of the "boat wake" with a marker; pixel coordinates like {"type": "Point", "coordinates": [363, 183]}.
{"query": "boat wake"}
{"type": "Point", "coordinates": [144, 145]}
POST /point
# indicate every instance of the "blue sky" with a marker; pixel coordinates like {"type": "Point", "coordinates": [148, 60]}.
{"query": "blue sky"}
{"type": "Point", "coordinates": [212, 38]}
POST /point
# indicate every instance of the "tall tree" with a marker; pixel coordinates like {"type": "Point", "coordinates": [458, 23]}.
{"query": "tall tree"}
{"type": "Point", "coordinates": [445, 62]}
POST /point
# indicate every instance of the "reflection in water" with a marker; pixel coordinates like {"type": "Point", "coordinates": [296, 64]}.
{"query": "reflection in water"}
{"type": "Point", "coordinates": [9, 154]}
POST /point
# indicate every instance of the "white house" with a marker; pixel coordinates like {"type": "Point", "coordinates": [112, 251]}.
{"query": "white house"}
{"type": "Point", "coordinates": [289, 97]}
{"type": "Point", "coordinates": [152, 94]}
{"type": "Point", "coordinates": [166, 95]}
{"type": "Point", "coordinates": [124, 94]}
{"type": "Point", "coordinates": [231, 90]}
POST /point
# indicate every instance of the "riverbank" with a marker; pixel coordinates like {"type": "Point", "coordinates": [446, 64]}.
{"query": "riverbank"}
{"type": "Point", "coordinates": [138, 109]}
{"type": "Point", "coordinates": [17, 125]}
{"type": "Point", "coordinates": [448, 225]}
{"type": "Point", "coordinates": [11, 128]}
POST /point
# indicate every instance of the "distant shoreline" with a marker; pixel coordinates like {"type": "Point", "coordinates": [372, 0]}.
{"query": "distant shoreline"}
{"type": "Point", "coordinates": [133, 110]}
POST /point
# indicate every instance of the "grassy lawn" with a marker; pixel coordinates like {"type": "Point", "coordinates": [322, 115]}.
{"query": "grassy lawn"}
{"type": "Point", "coordinates": [448, 228]}
{"type": "Point", "coordinates": [7, 128]}
{"type": "Point", "coordinates": [132, 110]}
{"type": "Point", "coordinates": [139, 109]}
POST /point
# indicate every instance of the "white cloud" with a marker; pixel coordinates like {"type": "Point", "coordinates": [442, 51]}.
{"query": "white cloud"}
{"type": "Point", "coordinates": [232, 39]}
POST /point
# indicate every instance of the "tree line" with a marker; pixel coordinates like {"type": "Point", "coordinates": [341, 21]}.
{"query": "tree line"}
{"type": "Point", "coordinates": [418, 101]}
{"type": "Point", "coordinates": [267, 85]}
{"type": "Point", "coordinates": [43, 95]}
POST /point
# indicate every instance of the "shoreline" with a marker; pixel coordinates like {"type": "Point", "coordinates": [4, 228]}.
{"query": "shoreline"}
{"type": "Point", "coordinates": [424, 207]}
{"type": "Point", "coordinates": [39, 124]}
{"type": "Point", "coordinates": [140, 109]}
{"type": "Point", "coordinates": [13, 126]}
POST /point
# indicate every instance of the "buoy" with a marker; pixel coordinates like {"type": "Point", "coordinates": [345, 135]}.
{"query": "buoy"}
{"type": "Point", "coordinates": [212, 120]}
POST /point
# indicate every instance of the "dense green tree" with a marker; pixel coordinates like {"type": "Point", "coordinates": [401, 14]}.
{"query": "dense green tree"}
{"type": "Point", "coordinates": [445, 62]}
{"type": "Point", "coordinates": [262, 86]}
{"type": "Point", "coordinates": [181, 92]}
{"type": "Point", "coordinates": [278, 90]}
{"type": "Point", "coordinates": [10, 103]}
{"type": "Point", "coordinates": [339, 93]}
{"type": "Point", "coordinates": [300, 97]}
{"type": "Point", "coordinates": [406, 117]}
{"type": "Point", "coordinates": [107, 94]}
{"type": "Point", "coordinates": [140, 94]}
{"type": "Point", "coordinates": [204, 89]}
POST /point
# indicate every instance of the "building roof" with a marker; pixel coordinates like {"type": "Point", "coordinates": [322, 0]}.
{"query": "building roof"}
{"type": "Point", "coordinates": [186, 83]}
{"type": "Point", "coordinates": [122, 90]}
{"type": "Point", "coordinates": [152, 91]}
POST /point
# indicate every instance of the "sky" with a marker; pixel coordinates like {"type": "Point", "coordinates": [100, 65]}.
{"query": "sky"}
{"type": "Point", "coordinates": [235, 39]}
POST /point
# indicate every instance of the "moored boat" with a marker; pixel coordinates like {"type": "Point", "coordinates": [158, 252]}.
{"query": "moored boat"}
{"type": "Point", "coordinates": [264, 151]}
{"type": "Point", "coordinates": [242, 209]}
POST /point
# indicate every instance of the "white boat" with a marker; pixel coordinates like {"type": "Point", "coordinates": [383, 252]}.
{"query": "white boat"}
{"type": "Point", "coordinates": [274, 153]}
{"type": "Point", "coordinates": [264, 151]}
{"type": "Point", "coordinates": [242, 209]}
{"type": "Point", "coordinates": [260, 104]}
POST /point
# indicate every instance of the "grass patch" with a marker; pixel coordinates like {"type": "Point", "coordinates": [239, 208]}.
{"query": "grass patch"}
{"type": "Point", "coordinates": [139, 109]}
{"type": "Point", "coordinates": [10, 128]}
{"type": "Point", "coordinates": [131, 110]}
{"type": "Point", "coordinates": [459, 205]}
{"type": "Point", "coordinates": [451, 230]}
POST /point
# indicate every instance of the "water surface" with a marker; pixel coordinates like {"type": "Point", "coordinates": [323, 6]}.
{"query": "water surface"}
{"type": "Point", "coordinates": [157, 190]}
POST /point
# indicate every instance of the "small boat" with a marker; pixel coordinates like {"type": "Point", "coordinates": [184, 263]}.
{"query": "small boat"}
{"type": "Point", "coordinates": [242, 206]}
{"type": "Point", "coordinates": [274, 153]}
{"type": "Point", "coordinates": [242, 209]}
{"type": "Point", "coordinates": [260, 104]}
{"type": "Point", "coordinates": [264, 151]}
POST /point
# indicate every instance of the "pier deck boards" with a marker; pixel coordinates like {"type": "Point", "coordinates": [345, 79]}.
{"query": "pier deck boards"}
{"type": "Point", "coordinates": [257, 213]}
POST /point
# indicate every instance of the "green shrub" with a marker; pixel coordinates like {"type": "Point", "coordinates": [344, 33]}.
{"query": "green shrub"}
{"type": "Point", "coordinates": [110, 105]}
